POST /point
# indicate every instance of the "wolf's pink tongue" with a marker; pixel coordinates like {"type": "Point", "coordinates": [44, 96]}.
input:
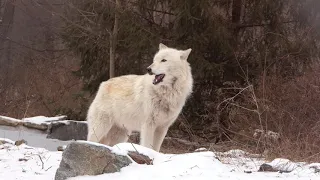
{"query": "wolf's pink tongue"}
{"type": "Point", "coordinates": [156, 80]}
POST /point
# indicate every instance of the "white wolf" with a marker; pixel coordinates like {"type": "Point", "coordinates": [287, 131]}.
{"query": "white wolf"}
{"type": "Point", "coordinates": [147, 103]}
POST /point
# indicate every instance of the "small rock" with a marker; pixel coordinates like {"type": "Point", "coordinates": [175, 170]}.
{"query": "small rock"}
{"type": "Point", "coordinates": [68, 130]}
{"type": "Point", "coordinates": [140, 158]}
{"type": "Point", "coordinates": [19, 142]}
{"type": "Point", "coordinates": [60, 148]}
{"type": "Point", "coordinates": [266, 168]}
{"type": "Point", "coordinates": [81, 158]}
{"type": "Point", "coordinates": [22, 159]}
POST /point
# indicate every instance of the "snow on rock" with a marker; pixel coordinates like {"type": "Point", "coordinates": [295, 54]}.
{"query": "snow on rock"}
{"type": "Point", "coordinates": [81, 158]}
{"type": "Point", "coordinates": [67, 122]}
{"type": "Point", "coordinates": [40, 122]}
{"type": "Point", "coordinates": [37, 122]}
{"type": "Point", "coordinates": [284, 165]}
{"type": "Point", "coordinates": [43, 119]}
{"type": "Point", "coordinates": [201, 149]}
{"type": "Point", "coordinates": [8, 121]}
{"type": "Point", "coordinates": [125, 147]}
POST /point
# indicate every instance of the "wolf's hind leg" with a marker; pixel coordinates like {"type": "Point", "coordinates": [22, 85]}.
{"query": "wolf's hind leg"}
{"type": "Point", "coordinates": [98, 126]}
{"type": "Point", "coordinates": [116, 135]}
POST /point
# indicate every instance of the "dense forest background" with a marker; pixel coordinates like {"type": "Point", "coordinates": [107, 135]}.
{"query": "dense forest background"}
{"type": "Point", "coordinates": [255, 63]}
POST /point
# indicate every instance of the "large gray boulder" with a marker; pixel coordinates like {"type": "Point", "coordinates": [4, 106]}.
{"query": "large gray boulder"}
{"type": "Point", "coordinates": [68, 130]}
{"type": "Point", "coordinates": [81, 158]}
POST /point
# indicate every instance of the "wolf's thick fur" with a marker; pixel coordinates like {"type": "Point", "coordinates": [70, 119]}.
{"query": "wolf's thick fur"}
{"type": "Point", "coordinates": [133, 103]}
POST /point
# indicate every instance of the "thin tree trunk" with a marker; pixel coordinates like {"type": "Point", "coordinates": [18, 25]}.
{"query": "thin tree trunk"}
{"type": "Point", "coordinates": [5, 46]}
{"type": "Point", "coordinates": [236, 15]}
{"type": "Point", "coordinates": [113, 40]}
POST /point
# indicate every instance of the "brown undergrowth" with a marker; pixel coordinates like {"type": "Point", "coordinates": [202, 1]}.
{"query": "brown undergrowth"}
{"type": "Point", "coordinates": [288, 107]}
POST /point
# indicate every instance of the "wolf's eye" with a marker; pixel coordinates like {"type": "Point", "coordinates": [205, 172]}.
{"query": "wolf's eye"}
{"type": "Point", "coordinates": [163, 60]}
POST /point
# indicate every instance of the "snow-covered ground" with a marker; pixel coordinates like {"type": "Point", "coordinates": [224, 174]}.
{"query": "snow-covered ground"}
{"type": "Point", "coordinates": [25, 162]}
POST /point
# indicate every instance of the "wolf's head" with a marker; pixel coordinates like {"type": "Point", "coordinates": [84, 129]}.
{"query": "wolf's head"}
{"type": "Point", "coordinates": [168, 65]}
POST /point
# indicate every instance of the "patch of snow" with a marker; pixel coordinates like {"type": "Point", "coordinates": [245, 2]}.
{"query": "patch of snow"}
{"type": "Point", "coordinates": [43, 119]}
{"type": "Point", "coordinates": [93, 143]}
{"type": "Point", "coordinates": [115, 149]}
{"type": "Point", "coordinates": [314, 165]}
{"type": "Point", "coordinates": [200, 149]}
{"type": "Point", "coordinates": [125, 147]}
{"type": "Point", "coordinates": [269, 135]}
{"type": "Point", "coordinates": [67, 122]}
{"type": "Point", "coordinates": [25, 162]}
{"type": "Point", "coordinates": [235, 153]}
{"type": "Point", "coordinates": [284, 165]}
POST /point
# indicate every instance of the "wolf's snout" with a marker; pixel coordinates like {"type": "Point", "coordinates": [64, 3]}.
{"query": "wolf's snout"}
{"type": "Point", "coordinates": [149, 70]}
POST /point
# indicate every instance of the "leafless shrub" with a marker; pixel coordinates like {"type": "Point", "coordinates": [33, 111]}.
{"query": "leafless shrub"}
{"type": "Point", "coordinates": [288, 107]}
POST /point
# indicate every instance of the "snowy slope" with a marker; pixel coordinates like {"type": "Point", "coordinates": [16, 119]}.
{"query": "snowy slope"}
{"type": "Point", "coordinates": [199, 165]}
{"type": "Point", "coordinates": [24, 162]}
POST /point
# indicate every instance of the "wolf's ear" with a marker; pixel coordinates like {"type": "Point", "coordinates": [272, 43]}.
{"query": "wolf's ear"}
{"type": "Point", "coordinates": [184, 54]}
{"type": "Point", "coordinates": [162, 46]}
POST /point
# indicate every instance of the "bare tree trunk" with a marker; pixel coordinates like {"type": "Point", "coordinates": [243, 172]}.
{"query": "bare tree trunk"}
{"type": "Point", "coordinates": [236, 15]}
{"type": "Point", "coordinates": [49, 32]}
{"type": "Point", "coordinates": [6, 21]}
{"type": "Point", "coordinates": [113, 40]}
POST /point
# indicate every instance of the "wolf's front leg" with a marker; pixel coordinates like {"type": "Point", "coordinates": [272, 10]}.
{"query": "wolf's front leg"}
{"type": "Point", "coordinates": [147, 134]}
{"type": "Point", "coordinates": [159, 134]}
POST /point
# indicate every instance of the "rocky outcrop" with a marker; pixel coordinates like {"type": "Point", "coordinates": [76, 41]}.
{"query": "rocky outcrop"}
{"type": "Point", "coordinates": [42, 126]}
{"type": "Point", "coordinates": [81, 158]}
{"type": "Point", "coordinates": [38, 122]}
{"type": "Point", "coordinates": [7, 121]}
{"type": "Point", "coordinates": [68, 130]}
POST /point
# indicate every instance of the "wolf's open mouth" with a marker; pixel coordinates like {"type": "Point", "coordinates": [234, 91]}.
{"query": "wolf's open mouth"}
{"type": "Point", "coordinates": [158, 78]}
